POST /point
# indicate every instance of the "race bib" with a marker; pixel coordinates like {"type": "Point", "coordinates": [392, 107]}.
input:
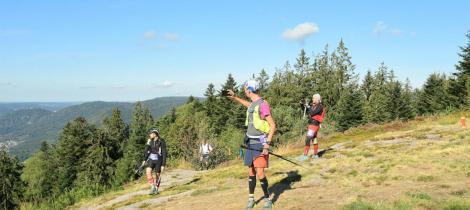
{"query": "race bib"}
{"type": "Point", "coordinates": [153, 156]}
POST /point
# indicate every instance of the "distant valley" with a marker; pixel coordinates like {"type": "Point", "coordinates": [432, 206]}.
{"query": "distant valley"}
{"type": "Point", "coordinates": [23, 126]}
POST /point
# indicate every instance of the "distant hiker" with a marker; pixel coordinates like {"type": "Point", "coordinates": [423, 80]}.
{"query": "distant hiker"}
{"type": "Point", "coordinates": [316, 113]}
{"type": "Point", "coordinates": [260, 131]}
{"type": "Point", "coordinates": [205, 149]}
{"type": "Point", "coordinates": [155, 159]}
{"type": "Point", "coordinates": [463, 122]}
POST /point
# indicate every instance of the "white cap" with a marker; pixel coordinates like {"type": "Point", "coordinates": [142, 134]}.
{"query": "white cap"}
{"type": "Point", "coordinates": [252, 85]}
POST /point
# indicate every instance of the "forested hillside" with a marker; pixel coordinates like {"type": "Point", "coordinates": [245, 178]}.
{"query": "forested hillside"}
{"type": "Point", "coordinates": [25, 129]}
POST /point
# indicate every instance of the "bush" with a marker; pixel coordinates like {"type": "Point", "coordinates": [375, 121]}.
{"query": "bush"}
{"type": "Point", "coordinates": [68, 198]}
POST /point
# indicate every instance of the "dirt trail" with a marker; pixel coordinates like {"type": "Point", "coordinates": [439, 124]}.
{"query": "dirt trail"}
{"type": "Point", "coordinates": [169, 178]}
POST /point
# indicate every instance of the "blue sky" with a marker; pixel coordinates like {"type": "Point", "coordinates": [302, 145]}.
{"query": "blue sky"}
{"type": "Point", "coordinates": [127, 50]}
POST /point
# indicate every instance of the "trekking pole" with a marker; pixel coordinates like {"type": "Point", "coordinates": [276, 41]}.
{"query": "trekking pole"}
{"type": "Point", "coordinates": [305, 108]}
{"type": "Point", "coordinates": [303, 117]}
{"type": "Point", "coordinates": [138, 170]}
{"type": "Point", "coordinates": [279, 156]}
{"type": "Point", "coordinates": [157, 183]}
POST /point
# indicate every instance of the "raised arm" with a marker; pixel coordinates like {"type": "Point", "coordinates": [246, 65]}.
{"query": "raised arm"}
{"type": "Point", "coordinates": [147, 152]}
{"type": "Point", "coordinates": [232, 96]}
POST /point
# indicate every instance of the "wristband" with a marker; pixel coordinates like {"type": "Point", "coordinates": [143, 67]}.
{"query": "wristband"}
{"type": "Point", "coordinates": [263, 139]}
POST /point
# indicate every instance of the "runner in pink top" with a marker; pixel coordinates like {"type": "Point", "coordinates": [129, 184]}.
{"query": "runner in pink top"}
{"type": "Point", "coordinates": [264, 110]}
{"type": "Point", "coordinates": [257, 140]}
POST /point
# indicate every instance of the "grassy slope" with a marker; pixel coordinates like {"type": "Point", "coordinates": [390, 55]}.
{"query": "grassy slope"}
{"type": "Point", "coordinates": [422, 164]}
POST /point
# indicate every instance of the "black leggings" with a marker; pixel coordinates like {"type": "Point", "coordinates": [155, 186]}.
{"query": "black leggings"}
{"type": "Point", "coordinates": [155, 165]}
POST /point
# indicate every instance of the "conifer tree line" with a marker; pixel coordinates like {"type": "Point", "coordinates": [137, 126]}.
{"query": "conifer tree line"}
{"type": "Point", "coordinates": [88, 160]}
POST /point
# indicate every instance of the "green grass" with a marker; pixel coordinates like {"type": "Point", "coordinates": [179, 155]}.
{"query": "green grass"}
{"type": "Point", "coordinates": [459, 193]}
{"type": "Point", "coordinates": [408, 205]}
{"type": "Point", "coordinates": [426, 178]}
{"type": "Point", "coordinates": [360, 205]}
{"type": "Point", "coordinates": [456, 204]}
{"type": "Point", "coordinates": [380, 179]}
{"type": "Point", "coordinates": [353, 173]}
{"type": "Point", "coordinates": [366, 154]}
{"type": "Point", "coordinates": [209, 190]}
{"type": "Point", "coordinates": [364, 205]}
{"type": "Point", "coordinates": [419, 195]}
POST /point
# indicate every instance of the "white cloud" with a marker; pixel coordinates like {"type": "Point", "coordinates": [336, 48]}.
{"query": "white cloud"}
{"type": "Point", "coordinates": [150, 35]}
{"type": "Point", "coordinates": [381, 29]}
{"type": "Point", "coordinates": [300, 32]}
{"type": "Point", "coordinates": [172, 37]}
{"type": "Point", "coordinates": [166, 84]}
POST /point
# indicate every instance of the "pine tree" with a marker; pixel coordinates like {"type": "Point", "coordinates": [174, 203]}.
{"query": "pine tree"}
{"type": "Point", "coordinates": [303, 63]}
{"type": "Point", "coordinates": [164, 122]}
{"type": "Point", "coordinates": [343, 66]}
{"type": "Point", "coordinates": [98, 166]}
{"type": "Point", "coordinates": [322, 75]}
{"type": "Point", "coordinates": [210, 97]}
{"type": "Point", "coordinates": [377, 108]}
{"type": "Point", "coordinates": [434, 96]}
{"type": "Point", "coordinates": [72, 146]}
{"type": "Point", "coordinates": [463, 67]}
{"type": "Point", "coordinates": [284, 88]}
{"type": "Point", "coordinates": [148, 118]}
{"type": "Point", "coordinates": [350, 109]}
{"type": "Point", "coordinates": [263, 80]}
{"type": "Point", "coordinates": [395, 100]}
{"type": "Point", "coordinates": [460, 83]}
{"type": "Point", "coordinates": [190, 99]}
{"type": "Point", "coordinates": [210, 105]}
{"type": "Point", "coordinates": [368, 85]}
{"type": "Point", "coordinates": [188, 132]}
{"type": "Point", "coordinates": [301, 67]}
{"type": "Point", "coordinates": [380, 77]}
{"type": "Point", "coordinates": [134, 148]}
{"type": "Point", "coordinates": [405, 105]}
{"type": "Point", "coordinates": [198, 106]}
{"type": "Point", "coordinates": [416, 94]}
{"type": "Point", "coordinates": [226, 111]}
{"type": "Point", "coordinates": [344, 80]}
{"type": "Point", "coordinates": [326, 82]}
{"type": "Point", "coordinates": [117, 132]}
{"type": "Point", "coordinates": [39, 174]}
{"type": "Point", "coordinates": [10, 183]}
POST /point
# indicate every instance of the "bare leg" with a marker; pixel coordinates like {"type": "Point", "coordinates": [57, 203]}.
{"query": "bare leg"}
{"type": "Point", "coordinates": [150, 179]}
